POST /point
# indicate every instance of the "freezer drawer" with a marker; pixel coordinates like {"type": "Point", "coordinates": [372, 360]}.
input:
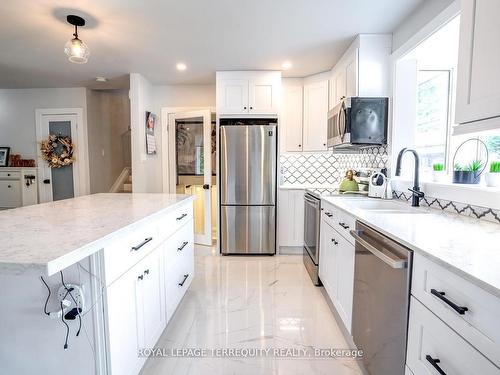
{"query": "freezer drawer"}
{"type": "Point", "coordinates": [248, 165]}
{"type": "Point", "coordinates": [248, 230]}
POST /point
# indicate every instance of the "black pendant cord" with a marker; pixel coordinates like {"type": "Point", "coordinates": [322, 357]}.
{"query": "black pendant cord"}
{"type": "Point", "coordinates": [76, 32]}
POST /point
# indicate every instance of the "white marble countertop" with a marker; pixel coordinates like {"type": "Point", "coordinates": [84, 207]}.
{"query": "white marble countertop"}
{"type": "Point", "coordinates": [464, 245]}
{"type": "Point", "coordinates": [58, 234]}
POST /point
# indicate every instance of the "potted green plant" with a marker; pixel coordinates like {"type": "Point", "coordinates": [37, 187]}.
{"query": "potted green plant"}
{"type": "Point", "coordinates": [469, 174]}
{"type": "Point", "coordinates": [438, 172]}
{"type": "Point", "coordinates": [493, 177]}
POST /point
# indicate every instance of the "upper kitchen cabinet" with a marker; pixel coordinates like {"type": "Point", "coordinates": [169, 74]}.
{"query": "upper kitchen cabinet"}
{"type": "Point", "coordinates": [248, 93]}
{"type": "Point", "coordinates": [478, 82]}
{"type": "Point", "coordinates": [315, 116]}
{"type": "Point", "coordinates": [291, 118]}
{"type": "Point", "coordinates": [363, 70]}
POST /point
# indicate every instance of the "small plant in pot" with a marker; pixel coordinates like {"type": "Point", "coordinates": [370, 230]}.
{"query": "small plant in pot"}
{"type": "Point", "coordinates": [493, 177]}
{"type": "Point", "coordinates": [469, 174]}
{"type": "Point", "coordinates": [438, 172]}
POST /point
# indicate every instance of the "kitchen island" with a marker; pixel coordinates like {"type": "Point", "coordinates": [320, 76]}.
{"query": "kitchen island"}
{"type": "Point", "coordinates": [125, 260]}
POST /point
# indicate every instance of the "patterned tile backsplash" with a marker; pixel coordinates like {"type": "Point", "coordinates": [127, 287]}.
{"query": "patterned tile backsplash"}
{"type": "Point", "coordinates": [478, 212]}
{"type": "Point", "coordinates": [328, 168]}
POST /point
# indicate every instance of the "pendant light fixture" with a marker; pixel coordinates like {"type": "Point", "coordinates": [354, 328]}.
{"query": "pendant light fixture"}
{"type": "Point", "coordinates": [76, 50]}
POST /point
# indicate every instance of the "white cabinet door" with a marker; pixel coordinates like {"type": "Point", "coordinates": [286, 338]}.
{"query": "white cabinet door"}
{"type": "Point", "coordinates": [340, 83]}
{"type": "Point", "coordinates": [315, 116]}
{"type": "Point", "coordinates": [478, 84]}
{"type": "Point", "coordinates": [10, 194]}
{"type": "Point", "coordinates": [151, 314]}
{"type": "Point", "coordinates": [328, 261]}
{"type": "Point", "coordinates": [291, 218]}
{"type": "Point", "coordinates": [332, 93]}
{"type": "Point", "coordinates": [232, 96]}
{"type": "Point", "coordinates": [351, 76]}
{"type": "Point", "coordinates": [292, 118]}
{"type": "Point", "coordinates": [263, 96]}
{"type": "Point", "coordinates": [345, 279]}
{"type": "Point", "coordinates": [122, 338]}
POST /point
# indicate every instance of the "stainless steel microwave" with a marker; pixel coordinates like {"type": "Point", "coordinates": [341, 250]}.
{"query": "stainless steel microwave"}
{"type": "Point", "coordinates": [358, 121]}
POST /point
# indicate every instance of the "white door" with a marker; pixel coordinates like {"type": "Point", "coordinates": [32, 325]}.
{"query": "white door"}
{"type": "Point", "coordinates": [58, 183]}
{"type": "Point", "coordinates": [292, 118]}
{"type": "Point", "coordinates": [263, 96]}
{"type": "Point", "coordinates": [478, 78]}
{"type": "Point", "coordinates": [192, 153]}
{"type": "Point", "coordinates": [232, 96]}
{"type": "Point", "coordinates": [315, 116]}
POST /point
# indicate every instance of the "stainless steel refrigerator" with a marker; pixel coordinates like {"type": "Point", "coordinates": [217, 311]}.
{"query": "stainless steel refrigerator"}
{"type": "Point", "coordinates": [248, 150]}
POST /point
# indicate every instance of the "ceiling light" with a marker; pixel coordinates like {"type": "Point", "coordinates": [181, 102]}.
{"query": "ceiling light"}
{"type": "Point", "coordinates": [181, 66]}
{"type": "Point", "coordinates": [76, 50]}
{"type": "Point", "coordinates": [101, 79]}
{"type": "Point", "coordinates": [286, 65]}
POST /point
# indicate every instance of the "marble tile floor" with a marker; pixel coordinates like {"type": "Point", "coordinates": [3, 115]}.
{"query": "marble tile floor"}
{"type": "Point", "coordinates": [253, 303]}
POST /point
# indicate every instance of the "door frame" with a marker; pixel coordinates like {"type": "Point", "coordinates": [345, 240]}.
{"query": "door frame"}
{"type": "Point", "coordinates": [81, 180]}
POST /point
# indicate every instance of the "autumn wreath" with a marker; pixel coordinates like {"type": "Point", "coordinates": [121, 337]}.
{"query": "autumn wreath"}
{"type": "Point", "coordinates": [57, 151]}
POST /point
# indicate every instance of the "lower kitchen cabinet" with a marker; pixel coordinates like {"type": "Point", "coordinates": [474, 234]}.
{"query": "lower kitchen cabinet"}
{"type": "Point", "coordinates": [336, 271]}
{"type": "Point", "coordinates": [291, 218]}
{"type": "Point", "coordinates": [140, 302]}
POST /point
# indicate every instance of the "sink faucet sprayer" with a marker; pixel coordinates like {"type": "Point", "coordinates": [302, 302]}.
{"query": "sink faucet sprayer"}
{"type": "Point", "coordinates": [416, 193]}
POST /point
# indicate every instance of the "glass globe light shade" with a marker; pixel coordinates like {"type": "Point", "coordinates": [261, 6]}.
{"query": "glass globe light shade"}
{"type": "Point", "coordinates": [77, 51]}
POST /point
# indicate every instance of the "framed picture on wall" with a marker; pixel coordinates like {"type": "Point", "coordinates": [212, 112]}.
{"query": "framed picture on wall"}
{"type": "Point", "coordinates": [150, 133]}
{"type": "Point", "coordinates": [4, 156]}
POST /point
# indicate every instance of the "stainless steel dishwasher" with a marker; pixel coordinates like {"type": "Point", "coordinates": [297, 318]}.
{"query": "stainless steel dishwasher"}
{"type": "Point", "coordinates": [382, 275]}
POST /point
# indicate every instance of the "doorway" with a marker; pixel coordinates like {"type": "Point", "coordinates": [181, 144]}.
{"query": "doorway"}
{"type": "Point", "coordinates": [192, 167]}
{"type": "Point", "coordinates": [68, 181]}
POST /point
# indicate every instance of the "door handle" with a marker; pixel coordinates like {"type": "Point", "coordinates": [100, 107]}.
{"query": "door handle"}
{"type": "Point", "coordinates": [206, 186]}
{"type": "Point", "coordinates": [393, 263]}
{"type": "Point", "coordinates": [46, 181]}
{"type": "Point", "coordinates": [184, 280]}
{"type": "Point", "coordinates": [434, 363]}
{"type": "Point", "coordinates": [137, 247]}
{"type": "Point", "coordinates": [441, 295]}
{"type": "Point", "coordinates": [181, 217]}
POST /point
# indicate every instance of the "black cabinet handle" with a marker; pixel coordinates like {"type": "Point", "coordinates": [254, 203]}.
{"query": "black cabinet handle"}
{"type": "Point", "coordinates": [434, 363]}
{"type": "Point", "coordinates": [441, 295]}
{"type": "Point", "coordinates": [300, 145]}
{"type": "Point", "coordinates": [206, 186]}
{"type": "Point", "coordinates": [137, 247]}
{"type": "Point", "coordinates": [344, 225]}
{"type": "Point", "coordinates": [9, 186]}
{"type": "Point", "coordinates": [251, 107]}
{"type": "Point", "coordinates": [140, 277]}
{"type": "Point", "coordinates": [182, 246]}
{"type": "Point", "coordinates": [328, 214]}
{"type": "Point", "coordinates": [46, 181]}
{"type": "Point", "coordinates": [244, 107]}
{"type": "Point", "coordinates": [181, 217]}
{"type": "Point", "coordinates": [146, 272]}
{"type": "Point", "coordinates": [184, 280]}
{"type": "Point", "coordinates": [335, 242]}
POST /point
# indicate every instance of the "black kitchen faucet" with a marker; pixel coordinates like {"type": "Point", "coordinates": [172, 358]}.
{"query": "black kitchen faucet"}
{"type": "Point", "coordinates": [416, 193]}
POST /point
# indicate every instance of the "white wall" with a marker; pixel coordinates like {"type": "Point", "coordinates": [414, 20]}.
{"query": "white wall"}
{"type": "Point", "coordinates": [146, 169]}
{"type": "Point", "coordinates": [184, 96]}
{"type": "Point", "coordinates": [108, 118]}
{"type": "Point", "coordinates": [17, 114]}
{"type": "Point", "coordinates": [417, 19]}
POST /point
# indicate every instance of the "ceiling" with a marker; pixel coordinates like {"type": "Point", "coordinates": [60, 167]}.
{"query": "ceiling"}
{"type": "Point", "coordinates": [151, 37]}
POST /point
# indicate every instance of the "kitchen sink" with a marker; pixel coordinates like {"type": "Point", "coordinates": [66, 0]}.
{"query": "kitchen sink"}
{"type": "Point", "coordinates": [381, 206]}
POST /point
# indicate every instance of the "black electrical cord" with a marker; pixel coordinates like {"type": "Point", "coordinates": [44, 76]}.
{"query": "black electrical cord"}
{"type": "Point", "coordinates": [74, 300]}
{"type": "Point", "coordinates": [47, 300]}
{"type": "Point", "coordinates": [66, 324]}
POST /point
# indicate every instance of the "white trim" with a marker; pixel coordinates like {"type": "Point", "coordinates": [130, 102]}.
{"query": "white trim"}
{"type": "Point", "coordinates": [122, 178]}
{"type": "Point", "coordinates": [82, 176]}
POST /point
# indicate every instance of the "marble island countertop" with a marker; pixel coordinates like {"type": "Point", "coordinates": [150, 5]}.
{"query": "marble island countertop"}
{"type": "Point", "coordinates": [57, 234]}
{"type": "Point", "coordinates": [464, 245]}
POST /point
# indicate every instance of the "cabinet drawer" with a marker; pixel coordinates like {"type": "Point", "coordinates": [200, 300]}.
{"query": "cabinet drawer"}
{"type": "Point", "coordinates": [431, 340]}
{"type": "Point", "coordinates": [340, 220]}
{"type": "Point", "coordinates": [179, 243]}
{"type": "Point", "coordinates": [172, 221]}
{"type": "Point", "coordinates": [479, 324]}
{"type": "Point", "coordinates": [10, 194]}
{"type": "Point", "coordinates": [125, 250]}
{"type": "Point", "coordinates": [14, 175]}
{"type": "Point", "coordinates": [179, 273]}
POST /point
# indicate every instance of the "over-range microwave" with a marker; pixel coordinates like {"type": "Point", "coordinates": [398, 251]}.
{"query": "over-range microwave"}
{"type": "Point", "coordinates": [358, 121]}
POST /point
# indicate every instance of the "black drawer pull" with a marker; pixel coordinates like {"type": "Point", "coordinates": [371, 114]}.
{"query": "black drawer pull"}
{"type": "Point", "coordinates": [184, 280]}
{"type": "Point", "coordinates": [328, 214]}
{"type": "Point", "coordinates": [434, 363]}
{"type": "Point", "coordinates": [182, 246]}
{"type": "Point", "coordinates": [137, 247]}
{"type": "Point", "coordinates": [343, 225]}
{"type": "Point", "coordinates": [146, 272]}
{"type": "Point", "coordinates": [335, 242]}
{"type": "Point", "coordinates": [181, 217]}
{"type": "Point", "coordinates": [140, 277]}
{"type": "Point", "coordinates": [441, 295]}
